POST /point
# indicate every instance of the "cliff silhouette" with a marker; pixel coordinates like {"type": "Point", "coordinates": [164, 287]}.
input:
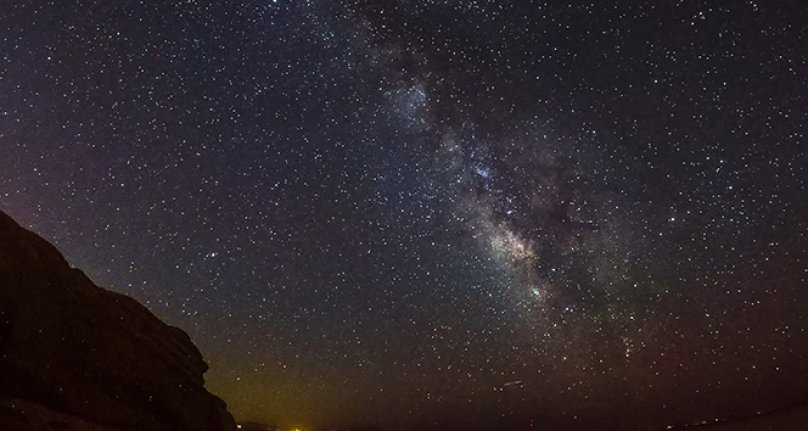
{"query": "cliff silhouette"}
{"type": "Point", "coordinates": [74, 356]}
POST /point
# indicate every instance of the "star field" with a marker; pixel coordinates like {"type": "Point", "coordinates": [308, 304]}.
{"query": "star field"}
{"type": "Point", "coordinates": [479, 215]}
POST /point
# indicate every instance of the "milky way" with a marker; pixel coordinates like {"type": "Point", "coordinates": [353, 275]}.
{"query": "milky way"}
{"type": "Point", "coordinates": [477, 215]}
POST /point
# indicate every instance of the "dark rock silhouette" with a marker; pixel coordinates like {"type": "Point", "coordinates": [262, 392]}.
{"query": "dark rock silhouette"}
{"type": "Point", "coordinates": [74, 356]}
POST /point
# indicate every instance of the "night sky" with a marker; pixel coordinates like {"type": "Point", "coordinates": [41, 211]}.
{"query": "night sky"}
{"type": "Point", "coordinates": [490, 214]}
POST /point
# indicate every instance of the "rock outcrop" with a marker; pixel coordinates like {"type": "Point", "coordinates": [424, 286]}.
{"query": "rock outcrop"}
{"type": "Point", "coordinates": [74, 356]}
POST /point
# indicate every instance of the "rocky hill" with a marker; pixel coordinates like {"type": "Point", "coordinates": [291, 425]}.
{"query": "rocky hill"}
{"type": "Point", "coordinates": [74, 356]}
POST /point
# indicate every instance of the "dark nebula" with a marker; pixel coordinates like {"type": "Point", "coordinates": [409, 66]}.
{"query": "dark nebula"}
{"type": "Point", "coordinates": [433, 214]}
